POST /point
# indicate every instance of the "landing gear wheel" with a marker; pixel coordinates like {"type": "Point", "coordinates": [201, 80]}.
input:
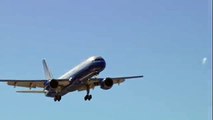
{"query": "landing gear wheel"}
{"type": "Point", "coordinates": [57, 98]}
{"type": "Point", "coordinates": [88, 97]}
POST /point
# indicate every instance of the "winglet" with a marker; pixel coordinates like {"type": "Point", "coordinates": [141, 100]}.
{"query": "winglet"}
{"type": "Point", "coordinates": [47, 72]}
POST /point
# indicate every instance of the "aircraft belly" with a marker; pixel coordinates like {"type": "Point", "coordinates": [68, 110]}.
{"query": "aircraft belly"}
{"type": "Point", "coordinates": [77, 84]}
{"type": "Point", "coordinates": [50, 94]}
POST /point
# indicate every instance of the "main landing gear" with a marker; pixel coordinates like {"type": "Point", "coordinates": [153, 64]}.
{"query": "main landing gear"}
{"type": "Point", "coordinates": [57, 98]}
{"type": "Point", "coordinates": [88, 96]}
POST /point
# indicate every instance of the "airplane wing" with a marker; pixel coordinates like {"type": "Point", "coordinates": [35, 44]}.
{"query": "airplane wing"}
{"type": "Point", "coordinates": [33, 83]}
{"type": "Point", "coordinates": [118, 80]}
{"type": "Point", "coordinates": [94, 82]}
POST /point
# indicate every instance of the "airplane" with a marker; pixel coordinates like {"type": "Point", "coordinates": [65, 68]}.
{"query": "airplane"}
{"type": "Point", "coordinates": [81, 78]}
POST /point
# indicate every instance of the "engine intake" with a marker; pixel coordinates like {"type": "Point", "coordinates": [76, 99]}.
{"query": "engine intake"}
{"type": "Point", "coordinates": [53, 84]}
{"type": "Point", "coordinates": [107, 84]}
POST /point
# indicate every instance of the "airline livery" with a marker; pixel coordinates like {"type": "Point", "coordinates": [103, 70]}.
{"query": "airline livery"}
{"type": "Point", "coordinates": [80, 78]}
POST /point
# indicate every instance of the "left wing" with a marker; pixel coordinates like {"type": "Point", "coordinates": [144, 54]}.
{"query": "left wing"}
{"type": "Point", "coordinates": [33, 83]}
{"type": "Point", "coordinates": [26, 83]}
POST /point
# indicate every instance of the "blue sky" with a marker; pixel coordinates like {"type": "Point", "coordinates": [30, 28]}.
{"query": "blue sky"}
{"type": "Point", "coordinates": [165, 40]}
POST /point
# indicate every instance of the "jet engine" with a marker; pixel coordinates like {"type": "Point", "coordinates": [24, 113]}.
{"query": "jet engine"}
{"type": "Point", "coordinates": [52, 83]}
{"type": "Point", "coordinates": [106, 84]}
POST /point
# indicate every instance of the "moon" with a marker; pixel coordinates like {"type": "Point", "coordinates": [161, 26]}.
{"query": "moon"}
{"type": "Point", "coordinates": [204, 60]}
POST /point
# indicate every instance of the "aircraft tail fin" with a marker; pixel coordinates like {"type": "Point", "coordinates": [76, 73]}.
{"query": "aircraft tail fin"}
{"type": "Point", "coordinates": [47, 73]}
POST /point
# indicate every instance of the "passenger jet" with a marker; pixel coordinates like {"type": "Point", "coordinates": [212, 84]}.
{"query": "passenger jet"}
{"type": "Point", "coordinates": [81, 78]}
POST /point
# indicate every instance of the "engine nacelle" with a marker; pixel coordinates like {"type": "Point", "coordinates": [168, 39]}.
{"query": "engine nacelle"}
{"type": "Point", "coordinates": [53, 84]}
{"type": "Point", "coordinates": [107, 84]}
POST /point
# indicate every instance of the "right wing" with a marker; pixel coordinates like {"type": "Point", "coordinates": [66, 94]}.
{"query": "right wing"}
{"type": "Point", "coordinates": [116, 80]}
{"type": "Point", "coordinates": [94, 82]}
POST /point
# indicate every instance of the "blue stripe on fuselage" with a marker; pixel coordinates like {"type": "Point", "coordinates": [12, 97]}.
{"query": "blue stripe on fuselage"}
{"type": "Point", "coordinates": [89, 71]}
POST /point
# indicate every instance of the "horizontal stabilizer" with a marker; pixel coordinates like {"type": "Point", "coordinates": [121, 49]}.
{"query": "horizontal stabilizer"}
{"type": "Point", "coordinates": [30, 91]}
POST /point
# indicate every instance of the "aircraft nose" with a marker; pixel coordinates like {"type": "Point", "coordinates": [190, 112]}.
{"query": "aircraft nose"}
{"type": "Point", "coordinates": [98, 63]}
{"type": "Point", "coordinates": [101, 64]}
